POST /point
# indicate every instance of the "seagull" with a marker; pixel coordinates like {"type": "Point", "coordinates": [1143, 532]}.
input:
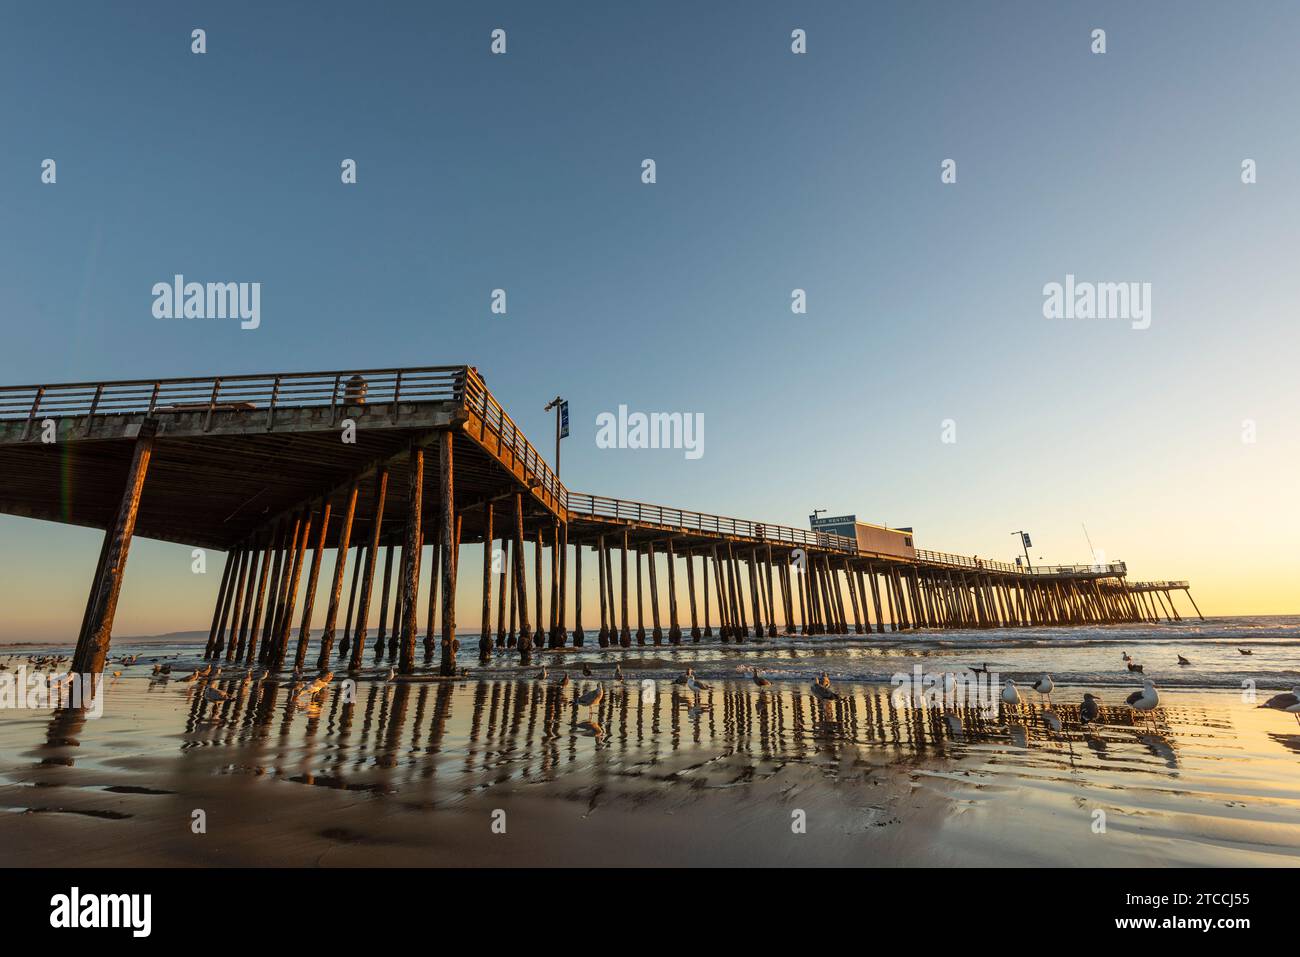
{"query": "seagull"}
{"type": "Point", "coordinates": [1183, 661]}
{"type": "Point", "coordinates": [1135, 667]}
{"type": "Point", "coordinates": [592, 698]}
{"type": "Point", "coordinates": [1051, 720]}
{"type": "Point", "coordinates": [214, 694]}
{"type": "Point", "coordinates": [1145, 700]}
{"type": "Point", "coordinates": [1288, 702]}
{"type": "Point", "coordinates": [822, 689]}
{"type": "Point", "coordinates": [618, 672]}
{"type": "Point", "coordinates": [1044, 686]}
{"type": "Point", "coordinates": [1126, 657]}
{"type": "Point", "coordinates": [192, 676]}
{"type": "Point", "coordinates": [1009, 693]}
{"type": "Point", "coordinates": [317, 686]}
{"type": "Point", "coordinates": [694, 683]}
{"type": "Point", "coordinates": [1245, 651]}
{"type": "Point", "coordinates": [541, 675]}
{"type": "Point", "coordinates": [1090, 710]}
{"type": "Point", "coordinates": [759, 679]}
{"type": "Point", "coordinates": [682, 679]}
{"type": "Point", "coordinates": [564, 681]}
{"type": "Point", "coordinates": [586, 670]}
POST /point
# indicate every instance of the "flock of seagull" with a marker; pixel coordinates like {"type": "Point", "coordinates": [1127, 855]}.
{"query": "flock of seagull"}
{"type": "Point", "coordinates": [303, 692]}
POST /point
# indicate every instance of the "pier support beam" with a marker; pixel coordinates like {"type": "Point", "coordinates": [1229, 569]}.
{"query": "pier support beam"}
{"type": "Point", "coordinates": [704, 573]}
{"type": "Point", "coordinates": [260, 557]}
{"type": "Point", "coordinates": [411, 561]}
{"type": "Point", "coordinates": [367, 585]}
{"type": "Point", "coordinates": [309, 600]}
{"type": "Point", "coordinates": [291, 593]}
{"type": "Point", "coordinates": [602, 636]}
{"type": "Point", "coordinates": [578, 636]}
{"type": "Point", "coordinates": [674, 626]}
{"type": "Point", "coordinates": [336, 586]}
{"type": "Point", "coordinates": [222, 590]}
{"type": "Point", "coordinates": [640, 601]}
{"type": "Point", "coordinates": [690, 586]}
{"type": "Point", "coordinates": [485, 631]}
{"type": "Point", "coordinates": [92, 648]}
{"type": "Point", "coordinates": [753, 593]}
{"type": "Point", "coordinates": [449, 530]}
{"type": "Point", "coordinates": [521, 583]}
{"type": "Point", "coordinates": [502, 571]}
{"type": "Point", "coordinates": [657, 634]}
{"type": "Point", "coordinates": [350, 621]}
{"type": "Point", "coordinates": [625, 633]}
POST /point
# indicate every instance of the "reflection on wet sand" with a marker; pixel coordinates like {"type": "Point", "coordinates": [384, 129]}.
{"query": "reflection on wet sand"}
{"type": "Point", "coordinates": [408, 772]}
{"type": "Point", "coordinates": [395, 735]}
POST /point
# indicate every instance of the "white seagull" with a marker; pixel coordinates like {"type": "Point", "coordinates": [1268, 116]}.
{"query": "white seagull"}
{"type": "Point", "coordinates": [693, 683]}
{"type": "Point", "coordinates": [1148, 699]}
{"type": "Point", "coordinates": [1009, 693]}
{"type": "Point", "coordinates": [317, 686]}
{"type": "Point", "coordinates": [592, 698]}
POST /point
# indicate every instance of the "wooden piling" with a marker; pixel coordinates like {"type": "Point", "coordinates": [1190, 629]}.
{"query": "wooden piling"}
{"type": "Point", "coordinates": [336, 586]}
{"type": "Point", "coordinates": [92, 651]}
{"type": "Point", "coordinates": [640, 601]}
{"type": "Point", "coordinates": [348, 622]}
{"type": "Point", "coordinates": [753, 593]}
{"type": "Point", "coordinates": [625, 633]}
{"type": "Point", "coordinates": [485, 631]}
{"type": "Point", "coordinates": [674, 626]}
{"type": "Point", "coordinates": [521, 585]}
{"type": "Point", "coordinates": [602, 636]}
{"type": "Point", "coordinates": [448, 527]}
{"type": "Point", "coordinates": [503, 575]}
{"type": "Point", "coordinates": [223, 590]}
{"type": "Point", "coordinates": [309, 600]}
{"type": "Point", "coordinates": [578, 636]}
{"type": "Point", "coordinates": [384, 593]}
{"type": "Point", "coordinates": [690, 586]}
{"type": "Point", "coordinates": [657, 634]}
{"type": "Point", "coordinates": [291, 593]}
{"type": "Point", "coordinates": [254, 588]}
{"type": "Point", "coordinates": [372, 557]}
{"type": "Point", "coordinates": [230, 617]}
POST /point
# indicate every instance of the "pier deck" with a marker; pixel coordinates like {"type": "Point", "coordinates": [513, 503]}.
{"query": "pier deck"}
{"type": "Point", "coordinates": [272, 468]}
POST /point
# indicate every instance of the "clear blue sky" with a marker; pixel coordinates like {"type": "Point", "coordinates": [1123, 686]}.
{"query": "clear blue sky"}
{"type": "Point", "coordinates": [775, 171]}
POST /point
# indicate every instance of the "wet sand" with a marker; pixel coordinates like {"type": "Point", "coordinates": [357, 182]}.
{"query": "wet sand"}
{"type": "Point", "coordinates": [419, 773]}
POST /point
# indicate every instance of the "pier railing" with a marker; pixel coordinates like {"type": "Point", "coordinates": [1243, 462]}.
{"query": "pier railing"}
{"type": "Point", "coordinates": [493, 417]}
{"type": "Point", "coordinates": [599, 506]}
{"type": "Point", "coordinates": [985, 564]}
{"type": "Point", "coordinates": [233, 393]}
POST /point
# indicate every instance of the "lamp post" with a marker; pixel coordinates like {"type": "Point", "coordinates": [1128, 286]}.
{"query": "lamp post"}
{"type": "Point", "coordinates": [561, 408]}
{"type": "Point", "coordinates": [1025, 543]}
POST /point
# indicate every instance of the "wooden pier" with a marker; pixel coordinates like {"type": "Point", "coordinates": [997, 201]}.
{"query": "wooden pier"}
{"type": "Point", "coordinates": [280, 471]}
